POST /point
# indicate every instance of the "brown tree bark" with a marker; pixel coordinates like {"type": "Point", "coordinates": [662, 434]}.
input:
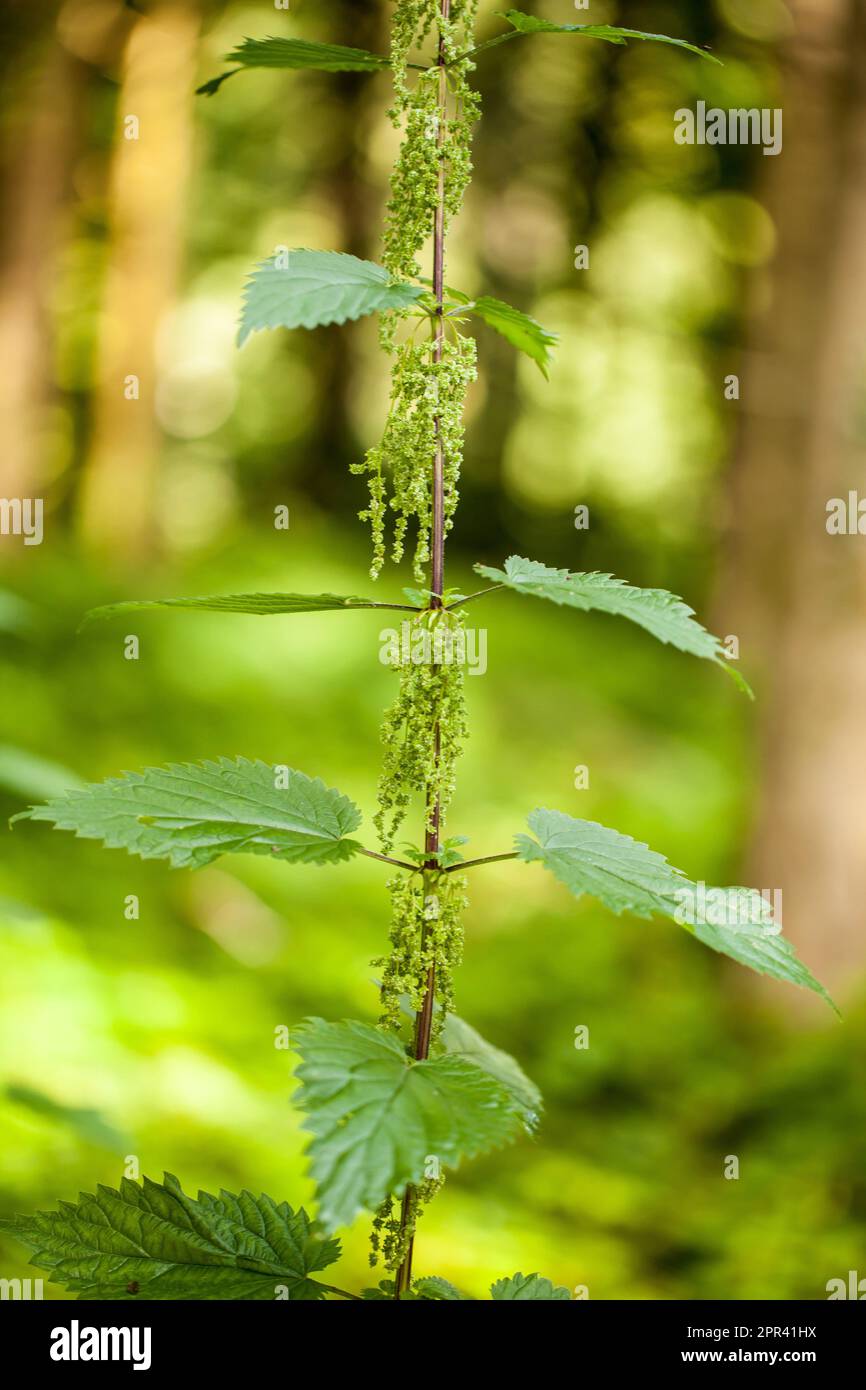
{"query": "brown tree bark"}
{"type": "Point", "coordinates": [36, 183]}
{"type": "Point", "coordinates": [148, 186]}
{"type": "Point", "coordinates": [798, 591]}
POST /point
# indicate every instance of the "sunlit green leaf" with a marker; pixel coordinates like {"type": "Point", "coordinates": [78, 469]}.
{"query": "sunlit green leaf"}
{"type": "Point", "coordinates": [295, 53]}
{"type": "Point", "coordinates": [663, 614]}
{"type": "Point", "coordinates": [521, 330]}
{"type": "Point", "coordinates": [627, 876]}
{"type": "Point", "coordinates": [191, 813]}
{"type": "Point", "coordinates": [611, 33]}
{"type": "Point", "coordinates": [311, 288]}
{"type": "Point", "coordinates": [267, 605]}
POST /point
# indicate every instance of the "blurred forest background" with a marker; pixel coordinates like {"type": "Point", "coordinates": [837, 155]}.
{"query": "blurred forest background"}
{"type": "Point", "coordinates": [155, 1037]}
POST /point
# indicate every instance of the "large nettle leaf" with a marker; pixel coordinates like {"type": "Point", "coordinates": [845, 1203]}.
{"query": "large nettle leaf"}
{"type": "Point", "coordinates": [663, 614]}
{"type": "Point", "coordinates": [295, 53]}
{"type": "Point", "coordinates": [611, 33]}
{"type": "Point", "coordinates": [191, 813]}
{"type": "Point", "coordinates": [304, 289]}
{"type": "Point", "coordinates": [154, 1242]}
{"type": "Point", "coordinates": [266, 605]}
{"type": "Point", "coordinates": [528, 1287]}
{"type": "Point", "coordinates": [377, 1118]}
{"type": "Point", "coordinates": [627, 876]}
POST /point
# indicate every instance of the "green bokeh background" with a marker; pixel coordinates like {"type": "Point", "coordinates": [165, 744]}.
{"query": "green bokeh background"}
{"type": "Point", "coordinates": [155, 1037]}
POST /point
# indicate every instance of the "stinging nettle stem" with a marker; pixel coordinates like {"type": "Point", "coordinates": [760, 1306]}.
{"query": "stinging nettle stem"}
{"type": "Point", "coordinates": [424, 1016]}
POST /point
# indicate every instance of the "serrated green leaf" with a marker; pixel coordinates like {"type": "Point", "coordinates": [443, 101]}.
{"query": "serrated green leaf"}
{"type": "Point", "coordinates": [531, 24]}
{"type": "Point", "coordinates": [191, 813]}
{"type": "Point", "coordinates": [627, 876]}
{"type": "Point", "coordinates": [460, 1039]}
{"type": "Point", "coordinates": [384, 1293]}
{"type": "Point", "coordinates": [319, 287]}
{"type": "Point", "coordinates": [377, 1117]}
{"type": "Point", "coordinates": [439, 1290]}
{"type": "Point", "coordinates": [521, 330]}
{"type": "Point", "coordinates": [154, 1242]}
{"type": "Point", "coordinates": [526, 1287]}
{"type": "Point", "coordinates": [661, 613]}
{"type": "Point", "coordinates": [295, 53]}
{"type": "Point", "coordinates": [266, 605]}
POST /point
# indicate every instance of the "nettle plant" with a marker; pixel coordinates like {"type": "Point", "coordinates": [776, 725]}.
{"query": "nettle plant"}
{"type": "Point", "coordinates": [389, 1106]}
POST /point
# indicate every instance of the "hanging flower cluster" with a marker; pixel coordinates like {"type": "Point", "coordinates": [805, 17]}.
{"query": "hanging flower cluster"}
{"type": "Point", "coordinates": [432, 143]}
{"type": "Point", "coordinates": [426, 933]}
{"type": "Point", "coordinates": [428, 382]}
{"type": "Point", "coordinates": [426, 400]}
{"type": "Point", "coordinates": [423, 731]}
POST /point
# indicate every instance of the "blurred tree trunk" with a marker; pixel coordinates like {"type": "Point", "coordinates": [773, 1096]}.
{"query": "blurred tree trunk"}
{"type": "Point", "coordinates": [146, 205]}
{"type": "Point", "coordinates": [798, 591]}
{"type": "Point", "coordinates": [35, 186]}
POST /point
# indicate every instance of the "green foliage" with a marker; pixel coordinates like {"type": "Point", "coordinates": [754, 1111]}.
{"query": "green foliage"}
{"type": "Point", "coordinates": [318, 287]}
{"type": "Point", "coordinates": [376, 1117]}
{"type": "Point", "coordinates": [526, 1287]}
{"type": "Point", "coordinates": [459, 1039]}
{"type": "Point", "coordinates": [521, 330]}
{"type": "Point", "coordinates": [295, 53]}
{"type": "Point", "coordinates": [438, 1290]}
{"type": "Point", "coordinates": [627, 876]}
{"type": "Point", "coordinates": [663, 614]}
{"type": "Point", "coordinates": [191, 813]}
{"type": "Point", "coordinates": [531, 24]}
{"type": "Point", "coordinates": [267, 605]}
{"type": "Point", "coordinates": [154, 1242]}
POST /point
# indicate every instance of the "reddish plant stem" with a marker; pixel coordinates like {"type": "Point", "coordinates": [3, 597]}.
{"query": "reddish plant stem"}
{"type": "Point", "coordinates": [424, 1016]}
